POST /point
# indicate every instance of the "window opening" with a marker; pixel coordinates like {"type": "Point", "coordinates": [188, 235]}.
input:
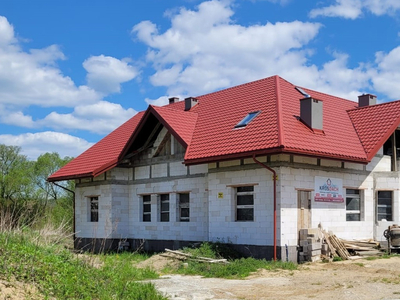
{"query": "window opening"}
{"type": "Point", "coordinates": [146, 208]}
{"type": "Point", "coordinates": [94, 209]}
{"type": "Point", "coordinates": [353, 205]}
{"type": "Point", "coordinates": [184, 212]}
{"type": "Point", "coordinates": [164, 208]}
{"type": "Point", "coordinates": [247, 119]}
{"type": "Point", "coordinates": [384, 206]}
{"type": "Point", "coordinates": [245, 203]}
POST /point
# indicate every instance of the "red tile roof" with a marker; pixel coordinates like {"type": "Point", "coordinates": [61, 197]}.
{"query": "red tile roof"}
{"type": "Point", "coordinates": [102, 156]}
{"type": "Point", "coordinates": [208, 129]}
{"type": "Point", "coordinates": [374, 124]}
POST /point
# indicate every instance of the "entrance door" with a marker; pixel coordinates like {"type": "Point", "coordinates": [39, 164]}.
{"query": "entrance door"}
{"type": "Point", "coordinates": [303, 210]}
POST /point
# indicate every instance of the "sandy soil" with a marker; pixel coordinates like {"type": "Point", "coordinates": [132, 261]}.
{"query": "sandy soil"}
{"type": "Point", "coordinates": [357, 279]}
{"type": "Point", "coordinates": [15, 290]}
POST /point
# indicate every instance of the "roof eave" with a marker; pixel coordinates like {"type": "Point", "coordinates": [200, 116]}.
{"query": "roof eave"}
{"type": "Point", "coordinates": [271, 151]}
{"type": "Point", "coordinates": [69, 177]}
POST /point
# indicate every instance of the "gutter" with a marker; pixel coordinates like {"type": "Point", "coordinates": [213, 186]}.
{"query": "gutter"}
{"type": "Point", "coordinates": [274, 178]}
{"type": "Point", "coordinates": [73, 193]}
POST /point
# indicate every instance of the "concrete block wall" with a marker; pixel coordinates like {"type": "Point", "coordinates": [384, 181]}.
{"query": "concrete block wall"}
{"type": "Point", "coordinates": [387, 181]}
{"type": "Point", "coordinates": [84, 228]}
{"type": "Point", "coordinates": [194, 230]}
{"type": "Point", "coordinates": [222, 212]}
{"type": "Point", "coordinates": [332, 216]}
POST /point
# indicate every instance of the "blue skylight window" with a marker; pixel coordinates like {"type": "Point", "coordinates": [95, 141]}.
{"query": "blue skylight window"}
{"type": "Point", "coordinates": [247, 119]}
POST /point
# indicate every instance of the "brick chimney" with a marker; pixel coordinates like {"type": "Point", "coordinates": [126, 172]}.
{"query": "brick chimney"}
{"type": "Point", "coordinates": [366, 100]}
{"type": "Point", "coordinates": [311, 112]}
{"type": "Point", "coordinates": [190, 102]}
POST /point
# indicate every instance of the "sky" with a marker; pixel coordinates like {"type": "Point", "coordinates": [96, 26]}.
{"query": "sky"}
{"type": "Point", "coordinates": [73, 71]}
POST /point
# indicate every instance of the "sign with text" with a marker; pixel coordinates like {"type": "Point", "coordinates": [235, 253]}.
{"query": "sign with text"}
{"type": "Point", "coordinates": [328, 189]}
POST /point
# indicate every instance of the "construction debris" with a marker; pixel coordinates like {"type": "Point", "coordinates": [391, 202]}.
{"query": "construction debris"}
{"type": "Point", "coordinates": [186, 256]}
{"type": "Point", "coordinates": [316, 243]}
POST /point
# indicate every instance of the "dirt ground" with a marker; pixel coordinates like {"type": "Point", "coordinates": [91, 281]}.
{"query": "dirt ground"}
{"type": "Point", "coordinates": [355, 279]}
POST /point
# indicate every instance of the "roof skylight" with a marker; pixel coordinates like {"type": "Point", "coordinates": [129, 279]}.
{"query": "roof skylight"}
{"type": "Point", "coordinates": [302, 92]}
{"type": "Point", "coordinates": [247, 119]}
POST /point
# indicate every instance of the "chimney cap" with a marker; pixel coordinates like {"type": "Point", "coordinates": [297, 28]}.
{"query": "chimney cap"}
{"type": "Point", "coordinates": [366, 100]}
{"type": "Point", "coordinates": [190, 102]}
{"type": "Point", "coordinates": [173, 100]}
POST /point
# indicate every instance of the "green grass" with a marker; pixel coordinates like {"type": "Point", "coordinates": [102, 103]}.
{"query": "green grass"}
{"type": "Point", "coordinates": [236, 268]}
{"type": "Point", "coordinates": [58, 273]}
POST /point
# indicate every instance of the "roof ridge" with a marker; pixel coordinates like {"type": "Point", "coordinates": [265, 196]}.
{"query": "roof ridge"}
{"type": "Point", "coordinates": [329, 95]}
{"type": "Point", "coordinates": [370, 106]}
{"type": "Point", "coordinates": [171, 109]}
{"type": "Point", "coordinates": [279, 111]}
{"type": "Point", "coordinates": [237, 86]}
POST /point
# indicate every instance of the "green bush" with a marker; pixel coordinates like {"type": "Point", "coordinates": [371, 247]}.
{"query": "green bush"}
{"type": "Point", "coordinates": [236, 268]}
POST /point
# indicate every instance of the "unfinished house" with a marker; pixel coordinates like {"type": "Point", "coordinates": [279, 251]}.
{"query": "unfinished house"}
{"type": "Point", "coordinates": [250, 166]}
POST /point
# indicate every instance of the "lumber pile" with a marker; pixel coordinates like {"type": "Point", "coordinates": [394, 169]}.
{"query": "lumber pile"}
{"type": "Point", "coordinates": [316, 243]}
{"type": "Point", "coordinates": [336, 246]}
{"type": "Point", "coordinates": [361, 245]}
{"type": "Point", "coordinates": [186, 256]}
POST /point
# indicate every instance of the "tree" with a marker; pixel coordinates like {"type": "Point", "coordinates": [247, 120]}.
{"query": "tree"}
{"type": "Point", "coordinates": [45, 165]}
{"type": "Point", "coordinates": [15, 174]}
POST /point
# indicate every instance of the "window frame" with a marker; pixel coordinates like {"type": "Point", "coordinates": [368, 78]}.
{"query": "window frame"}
{"type": "Point", "coordinates": [146, 201]}
{"type": "Point", "coordinates": [247, 119]}
{"type": "Point", "coordinates": [164, 212]}
{"type": "Point", "coordinates": [182, 206]}
{"type": "Point", "coordinates": [357, 212]}
{"type": "Point", "coordinates": [384, 205]}
{"type": "Point", "coordinates": [93, 212]}
{"type": "Point", "coordinates": [239, 207]}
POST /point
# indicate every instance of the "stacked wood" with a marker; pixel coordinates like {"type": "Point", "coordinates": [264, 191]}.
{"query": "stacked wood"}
{"type": "Point", "coordinates": [336, 246]}
{"type": "Point", "coordinates": [339, 247]}
{"type": "Point", "coordinates": [186, 256]}
{"type": "Point", "coordinates": [331, 248]}
{"type": "Point", "coordinates": [361, 245]}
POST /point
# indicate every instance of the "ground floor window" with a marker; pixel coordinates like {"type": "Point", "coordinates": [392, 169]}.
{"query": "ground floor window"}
{"type": "Point", "coordinates": [244, 203]}
{"type": "Point", "coordinates": [184, 210]}
{"type": "Point", "coordinates": [164, 208]}
{"type": "Point", "coordinates": [94, 209]}
{"type": "Point", "coordinates": [353, 205]}
{"type": "Point", "coordinates": [384, 206]}
{"type": "Point", "coordinates": [146, 208]}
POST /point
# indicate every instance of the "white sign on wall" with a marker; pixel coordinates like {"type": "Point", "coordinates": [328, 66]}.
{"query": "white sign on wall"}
{"type": "Point", "coordinates": [328, 189]}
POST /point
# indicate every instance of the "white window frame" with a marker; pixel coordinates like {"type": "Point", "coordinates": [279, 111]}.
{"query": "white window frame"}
{"type": "Point", "coordinates": [360, 198]}
{"type": "Point", "coordinates": [146, 200]}
{"type": "Point", "coordinates": [93, 211]}
{"type": "Point", "coordinates": [382, 205]}
{"type": "Point", "coordinates": [247, 206]}
{"type": "Point", "coordinates": [161, 202]}
{"type": "Point", "coordinates": [181, 206]}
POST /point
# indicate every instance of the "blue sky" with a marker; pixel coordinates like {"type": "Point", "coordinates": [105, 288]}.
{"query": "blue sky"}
{"type": "Point", "coordinates": [71, 72]}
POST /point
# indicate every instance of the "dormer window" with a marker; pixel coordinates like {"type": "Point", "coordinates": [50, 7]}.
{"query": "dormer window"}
{"type": "Point", "coordinates": [247, 119]}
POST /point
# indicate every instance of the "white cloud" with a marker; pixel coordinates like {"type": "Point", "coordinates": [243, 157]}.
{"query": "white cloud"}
{"type": "Point", "coordinates": [101, 117]}
{"type": "Point", "coordinates": [32, 78]}
{"type": "Point", "coordinates": [106, 73]}
{"type": "Point", "coordinates": [163, 100]}
{"type": "Point", "coordinates": [352, 9]}
{"type": "Point", "coordinates": [387, 76]}
{"type": "Point", "coordinates": [35, 144]}
{"type": "Point", "coordinates": [204, 50]}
